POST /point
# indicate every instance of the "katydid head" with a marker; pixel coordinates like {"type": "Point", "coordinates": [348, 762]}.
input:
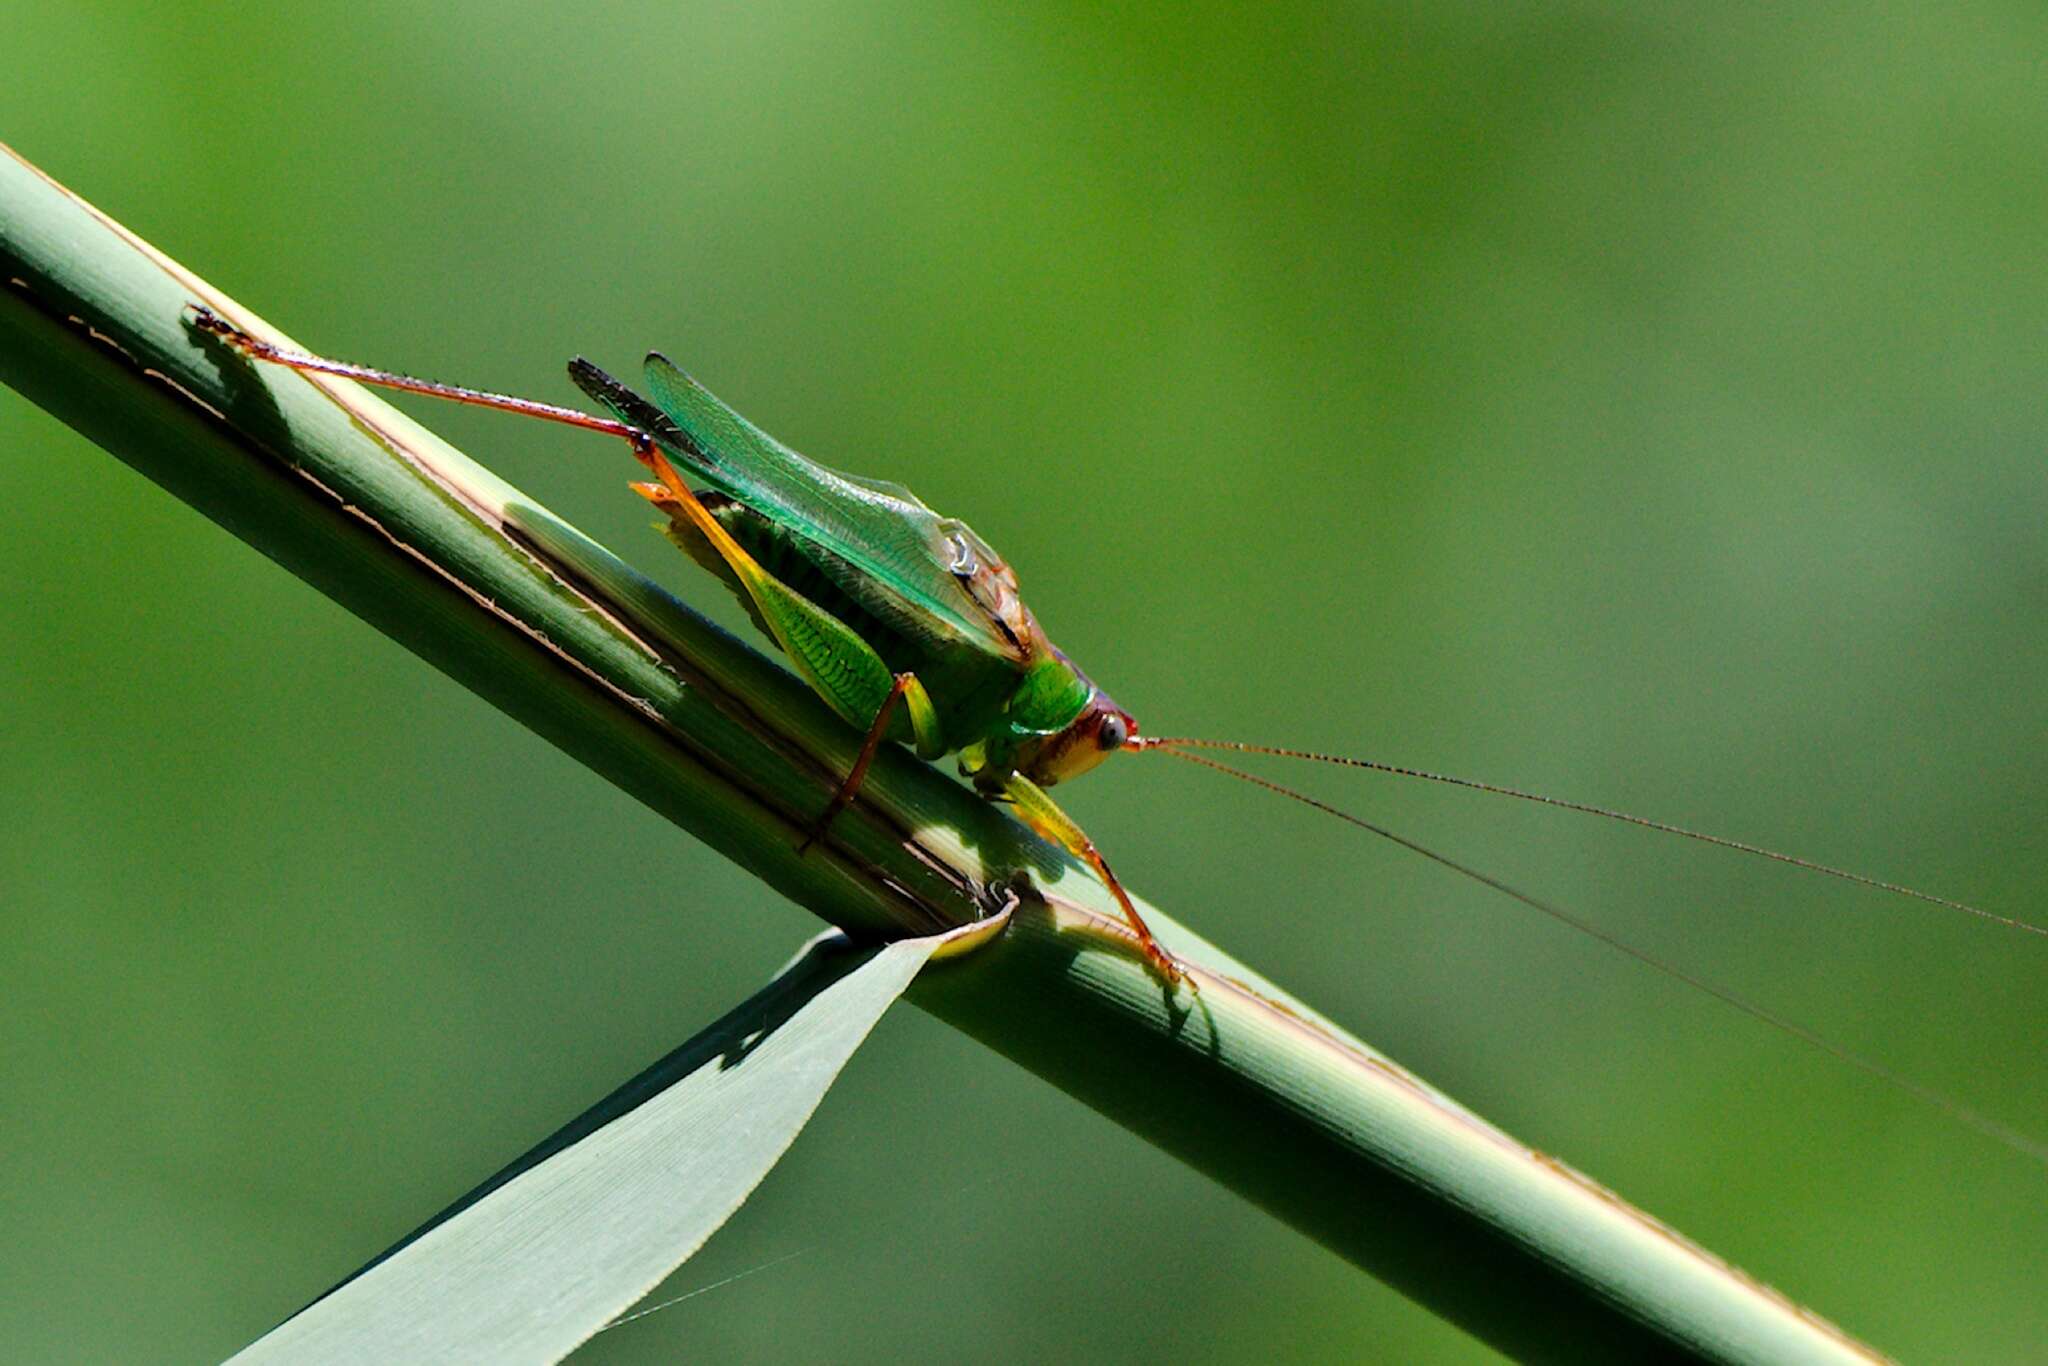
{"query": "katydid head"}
{"type": "Point", "coordinates": [1100, 730]}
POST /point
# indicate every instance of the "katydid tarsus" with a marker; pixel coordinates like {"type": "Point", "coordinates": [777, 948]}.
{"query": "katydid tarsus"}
{"type": "Point", "coordinates": [913, 630]}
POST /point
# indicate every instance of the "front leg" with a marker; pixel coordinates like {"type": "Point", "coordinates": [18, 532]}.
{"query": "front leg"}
{"type": "Point", "coordinates": [1043, 815]}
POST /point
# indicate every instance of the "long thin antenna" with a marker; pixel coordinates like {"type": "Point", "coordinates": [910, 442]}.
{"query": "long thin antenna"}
{"type": "Point", "coordinates": [1174, 743]}
{"type": "Point", "coordinates": [1956, 1110]}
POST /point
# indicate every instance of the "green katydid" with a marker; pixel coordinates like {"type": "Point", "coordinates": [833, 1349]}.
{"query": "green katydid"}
{"type": "Point", "coordinates": [905, 622]}
{"type": "Point", "coordinates": [913, 630]}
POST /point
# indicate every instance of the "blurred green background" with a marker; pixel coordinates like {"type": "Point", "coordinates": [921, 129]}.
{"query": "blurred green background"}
{"type": "Point", "coordinates": [1646, 408]}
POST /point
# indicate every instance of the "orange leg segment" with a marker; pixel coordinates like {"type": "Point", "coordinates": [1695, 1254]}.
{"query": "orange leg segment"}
{"type": "Point", "coordinates": [1043, 815]}
{"type": "Point", "coordinates": [1169, 967]}
{"type": "Point", "coordinates": [876, 733]}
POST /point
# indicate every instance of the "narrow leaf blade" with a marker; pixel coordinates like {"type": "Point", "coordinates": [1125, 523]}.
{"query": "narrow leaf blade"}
{"type": "Point", "coordinates": [546, 1253]}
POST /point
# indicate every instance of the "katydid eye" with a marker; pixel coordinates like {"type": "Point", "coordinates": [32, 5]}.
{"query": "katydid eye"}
{"type": "Point", "coordinates": [1113, 732]}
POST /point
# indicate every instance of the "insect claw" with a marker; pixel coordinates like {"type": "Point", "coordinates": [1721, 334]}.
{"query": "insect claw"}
{"type": "Point", "coordinates": [1168, 967]}
{"type": "Point", "coordinates": [206, 320]}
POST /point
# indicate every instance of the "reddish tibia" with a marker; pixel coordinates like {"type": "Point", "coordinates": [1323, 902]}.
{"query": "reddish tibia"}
{"type": "Point", "coordinates": [209, 321]}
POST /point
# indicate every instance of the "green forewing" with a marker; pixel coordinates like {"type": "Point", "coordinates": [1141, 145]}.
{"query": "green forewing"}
{"type": "Point", "coordinates": [908, 560]}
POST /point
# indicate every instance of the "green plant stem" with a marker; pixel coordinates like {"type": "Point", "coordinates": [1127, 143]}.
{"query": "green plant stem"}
{"type": "Point", "coordinates": [1242, 1082]}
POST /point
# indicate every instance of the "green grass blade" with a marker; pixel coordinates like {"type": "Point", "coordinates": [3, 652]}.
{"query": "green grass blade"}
{"type": "Point", "coordinates": [546, 1253]}
{"type": "Point", "coordinates": [1246, 1084]}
